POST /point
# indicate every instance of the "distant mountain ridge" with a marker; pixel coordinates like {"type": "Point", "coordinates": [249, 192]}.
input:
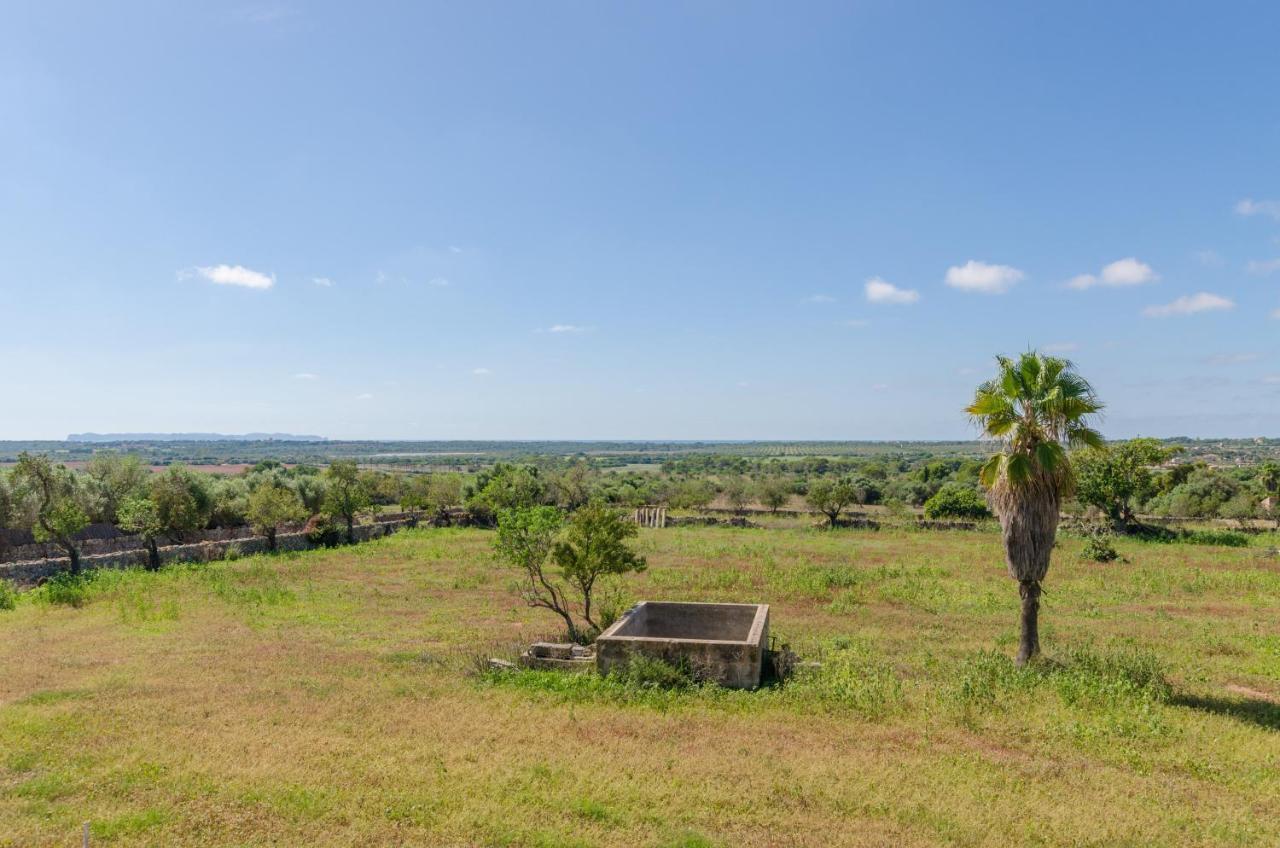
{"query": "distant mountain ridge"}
{"type": "Point", "coordinates": [192, 437]}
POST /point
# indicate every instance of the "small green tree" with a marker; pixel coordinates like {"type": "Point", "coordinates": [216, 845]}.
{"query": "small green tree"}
{"type": "Point", "coordinates": [141, 516]}
{"type": "Point", "coordinates": [774, 493]}
{"type": "Point", "coordinates": [114, 478]}
{"type": "Point", "coordinates": [524, 540]}
{"type": "Point", "coordinates": [1115, 478]}
{"type": "Point", "coordinates": [737, 493]}
{"type": "Point", "coordinates": [594, 546]}
{"type": "Point", "coordinates": [311, 490]}
{"type": "Point", "coordinates": [506, 486]}
{"type": "Point", "coordinates": [59, 515]}
{"type": "Point", "coordinates": [415, 495]}
{"type": "Point", "coordinates": [270, 506]}
{"type": "Point", "coordinates": [956, 500]}
{"type": "Point", "coordinates": [831, 497]}
{"type": "Point", "coordinates": [347, 495]}
{"type": "Point", "coordinates": [183, 499]}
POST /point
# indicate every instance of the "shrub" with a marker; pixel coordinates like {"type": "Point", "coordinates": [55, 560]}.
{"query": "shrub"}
{"type": "Point", "coordinates": [1100, 548]}
{"type": "Point", "coordinates": [1225, 538]}
{"type": "Point", "coordinates": [956, 500]}
{"type": "Point", "coordinates": [8, 595]}
{"type": "Point", "coordinates": [645, 672]}
{"type": "Point", "coordinates": [67, 588]}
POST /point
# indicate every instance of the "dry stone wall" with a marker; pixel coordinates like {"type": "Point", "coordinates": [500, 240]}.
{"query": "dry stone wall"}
{"type": "Point", "coordinates": [32, 572]}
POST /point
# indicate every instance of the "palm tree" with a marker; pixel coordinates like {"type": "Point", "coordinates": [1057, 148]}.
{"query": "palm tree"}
{"type": "Point", "coordinates": [1037, 407]}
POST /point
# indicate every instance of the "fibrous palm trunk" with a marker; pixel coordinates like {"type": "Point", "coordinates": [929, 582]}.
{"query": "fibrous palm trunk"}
{"type": "Point", "coordinates": [1029, 522]}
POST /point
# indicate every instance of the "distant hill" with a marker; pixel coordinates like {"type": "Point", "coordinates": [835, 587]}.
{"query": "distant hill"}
{"type": "Point", "coordinates": [192, 437]}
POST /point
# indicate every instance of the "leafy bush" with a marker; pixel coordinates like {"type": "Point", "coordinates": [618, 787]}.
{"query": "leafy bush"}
{"type": "Point", "coordinates": [1100, 548]}
{"type": "Point", "coordinates": [1225, 538]}
{"type": "Point", "coordinates": [645, 672]}
{"type": "Point", "coordinates": [67, 589]}
{"type": "Point", "coordinates": [956, 500]}
{"type": "Point", "coordinates": [8, 595]}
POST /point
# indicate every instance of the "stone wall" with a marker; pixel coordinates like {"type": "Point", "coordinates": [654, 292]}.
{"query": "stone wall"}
{"type": "Point", "coordinates": [32, 572]}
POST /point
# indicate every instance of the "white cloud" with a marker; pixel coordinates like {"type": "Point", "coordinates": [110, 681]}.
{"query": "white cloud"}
{"type": "Point", "coordinates": [819, 298]}
{"type": "Point", "coordinates": [1231, 358]}
{"type": "Point", "coordinates": [1060, 347]}
{"type": "Point", "coordinates": [1248, 206]}
{"type": "Point", "coordinates": [1271, 379]}
{"type": "Point", "coordinates": [1128, 272]}
{"type": "Point", "coordinates": [857, 322]}
{"type": "Point", "coordinates": [879, 387]}
{"type": "Point", "coordinates": [305, 375]}
{"type": "Point", "coordinates": [882, 291]}
{"type": "Point", "coordinates": [439, 282]}
{"type": "Point", "coordinates": [1122, 272]}
{"type": "Point", "coordinates": [364, 396]}
{"type": "Point", "coordinates": [322, 281]}
{"type": "Point", "coordinates": [566, 328]}
{"type": "Point", "coordinates": [982, 277]}
{"type": "Point", "coordinates": [1276, 314]}
{"type": "Point", "coordinates": [481, 372]}
{"type": "Point", "coordinates": [1189, 305]}
{"type": "Point", "coordinates": [231, 275]}
{"type": "Point", "coordinates": [1263, 266]}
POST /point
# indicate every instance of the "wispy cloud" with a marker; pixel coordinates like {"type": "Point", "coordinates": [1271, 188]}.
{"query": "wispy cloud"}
{"type": "Point", "coordinates": [1271, 379]}
{"type": "Point", "coordinates": [1263, 266]}
{"type": "Point", "coordinates": [364, 396]}
{"type": "Point", "coordinates": [1190, 305]}
{"type": "Point", "coordinates": [324, 282]}
{"type": "Point", "coordinates": [1122, 272]}
{"type": "Point", "coordinates": [566, 328]}
{"type": "Point", "coordinates": [264, 14]}
{"type": "Point", "coordinates": [1060, 347]}
{"type": "Point", "coordinates": [1210, 258]}
{"type": "Point", "coordinates": [819, 298]}
{"type": "Point", "coordinates": [230, 275]}
{"type": "Point", "coordinates": [439, 282]}
{"type": "Point", "coordinates": [1231, 358]}
{"type": "Point", "coordinates": [983, 277]}
{"type": "Point", "coordinates": [481, 372]}
{"type": "Point", "coordinates": [857, 322]}
{"type": "Point", "coordinates": [305, 375]}
{"type": "Point", "coordinates": [1249, 207]}
{"type": "Point", "coordinates": [1276, 314]}
{"type": "Point", "coordinates": [883, 291]}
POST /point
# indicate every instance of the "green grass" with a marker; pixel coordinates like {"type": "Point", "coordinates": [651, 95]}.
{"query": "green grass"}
{"type": "Point", "coordinates": [341, 697]}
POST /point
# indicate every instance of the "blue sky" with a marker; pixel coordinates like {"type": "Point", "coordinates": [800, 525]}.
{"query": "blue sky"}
{"type": "Point", "coordinates": [598, 220]}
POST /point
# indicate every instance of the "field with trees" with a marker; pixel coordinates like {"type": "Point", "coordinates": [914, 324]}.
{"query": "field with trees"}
{"type": "Point", "coordinates": [340, 697]}
{"type": "Point", "coordinates": [374, 693]}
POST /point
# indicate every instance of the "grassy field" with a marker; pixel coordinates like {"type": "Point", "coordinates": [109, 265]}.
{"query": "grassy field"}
{"type": "Point", "coordinates": [336, 698]}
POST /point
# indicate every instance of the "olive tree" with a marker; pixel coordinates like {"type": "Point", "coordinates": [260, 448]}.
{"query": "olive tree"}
{"type": "Point", "coordinates": [270, 506]}
{"type": "Point", "coordinates": [183, 500]}
{"type": "Point", "coordinates": [831, 497]}
{"type": "Point", "coordinates": [141, 516]}
{"type": "Point", "coordinates": [346, 495]}
{"type": "Point", "coordinates": [114, 478]}
{"type": "Point", "coordinates": [59, 514]}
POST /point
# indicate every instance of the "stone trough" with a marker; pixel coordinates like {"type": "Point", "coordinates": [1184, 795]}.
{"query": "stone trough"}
{"type": "Point", "coordinates": [720, 643]}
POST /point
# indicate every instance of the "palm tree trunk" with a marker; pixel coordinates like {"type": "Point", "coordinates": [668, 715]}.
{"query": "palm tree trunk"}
{"type": "Point", "coordinates": [1029, 643]}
